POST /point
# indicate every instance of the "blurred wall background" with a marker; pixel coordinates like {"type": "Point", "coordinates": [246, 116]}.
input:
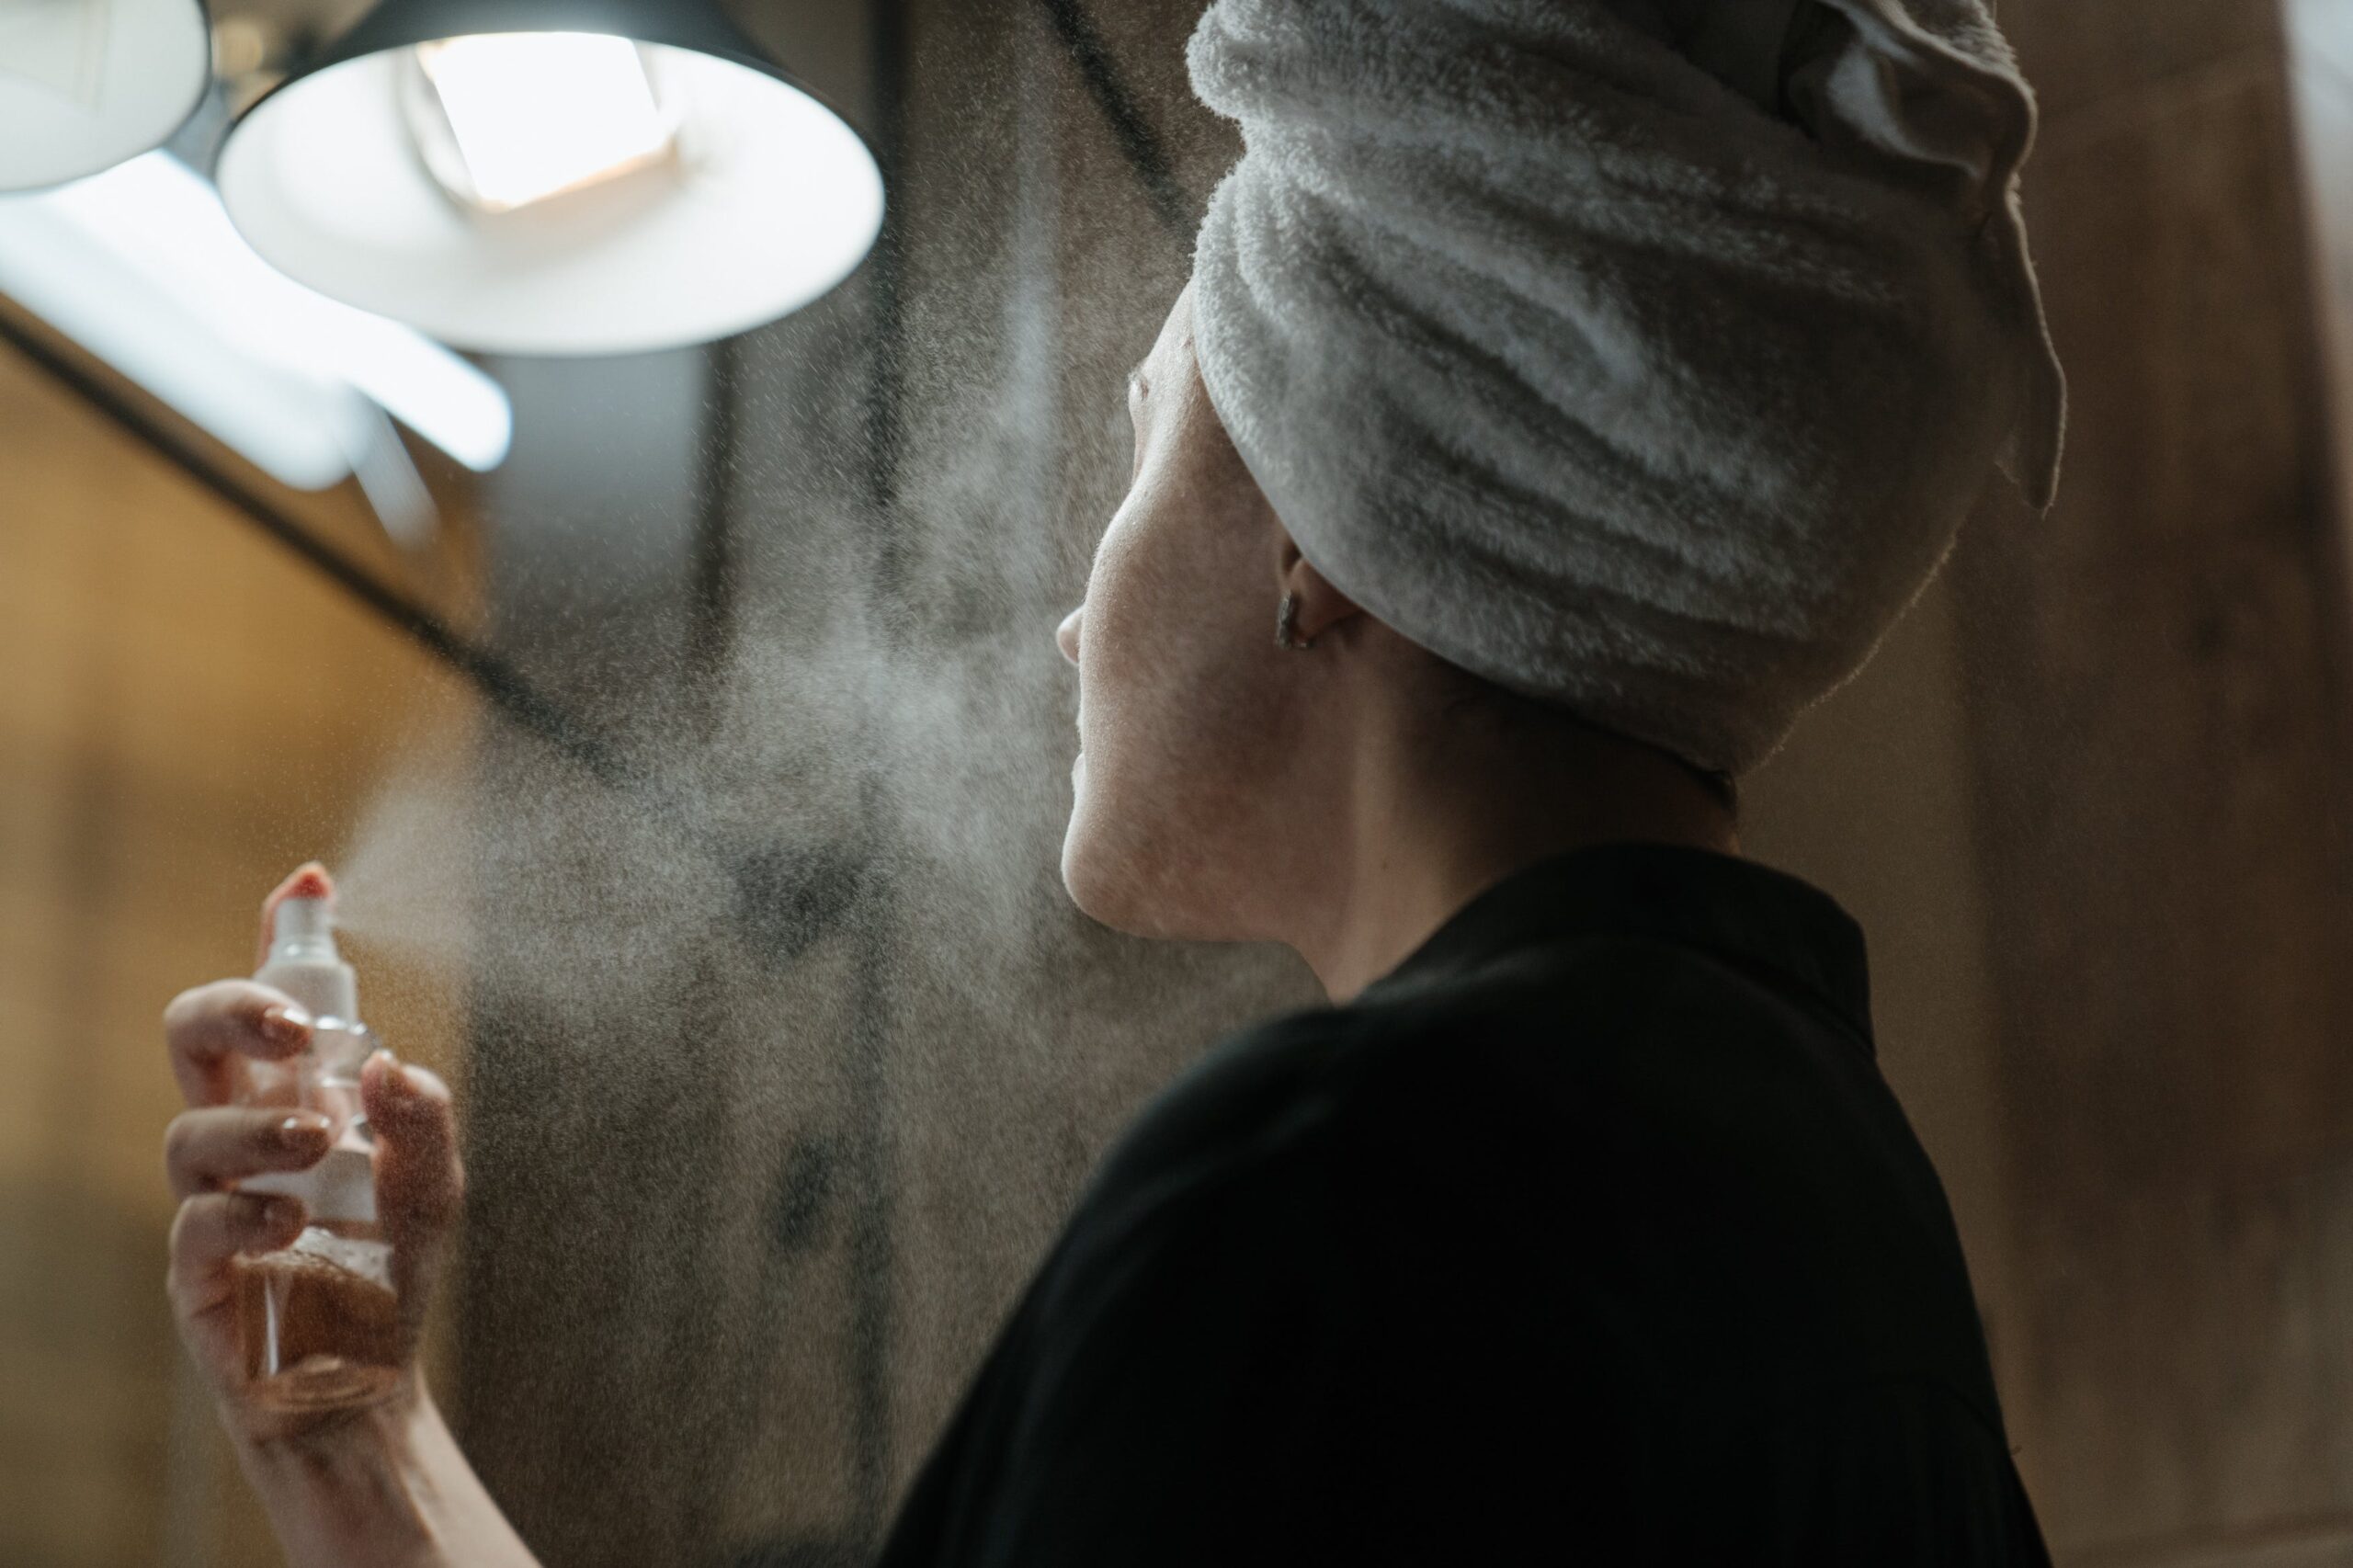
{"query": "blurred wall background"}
{"type": "Point", "coordinates": [186, 712]}
{"type": "Point", "coordinates": [2157, 714]}
{"type": "Point", "coordinates": [752, 1188]}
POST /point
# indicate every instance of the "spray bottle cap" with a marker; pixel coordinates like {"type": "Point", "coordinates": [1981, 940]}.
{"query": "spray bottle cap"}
{"type": "Point", "coordinates": [304, 963]}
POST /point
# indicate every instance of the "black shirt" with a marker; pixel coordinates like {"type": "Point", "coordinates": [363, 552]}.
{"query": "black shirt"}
{"type": "Point", "coordinates": [1591, 1233]}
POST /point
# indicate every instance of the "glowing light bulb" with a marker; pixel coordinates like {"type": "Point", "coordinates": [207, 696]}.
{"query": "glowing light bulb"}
{"type": "Point", "coordinates": [534, 115]}
{"type": "Point", "coordinates": [749, 196]}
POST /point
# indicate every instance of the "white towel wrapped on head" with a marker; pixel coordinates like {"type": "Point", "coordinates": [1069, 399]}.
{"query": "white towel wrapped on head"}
{"type": "Point", "coordinates": [1642, 355]}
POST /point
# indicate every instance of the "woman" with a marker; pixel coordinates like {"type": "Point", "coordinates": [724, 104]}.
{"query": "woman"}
{"type": "Point", "coordinates": [1566, 396]}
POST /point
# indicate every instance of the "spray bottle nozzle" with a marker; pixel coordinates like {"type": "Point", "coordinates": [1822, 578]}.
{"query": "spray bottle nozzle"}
{"type": "Point", "coordinates": [304, 961]}
{"type": "Point", "coordinates": [302, 920]}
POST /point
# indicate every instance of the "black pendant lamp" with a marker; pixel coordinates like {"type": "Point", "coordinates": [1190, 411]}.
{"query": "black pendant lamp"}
{"type": "Point", "coordinates": [85, 85]}
{"type": "Point", "coordinates": [554, 176]}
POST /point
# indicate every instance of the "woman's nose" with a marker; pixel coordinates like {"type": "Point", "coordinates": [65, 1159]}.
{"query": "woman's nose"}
{"type": "Point", "coordinates": [1066, 634]}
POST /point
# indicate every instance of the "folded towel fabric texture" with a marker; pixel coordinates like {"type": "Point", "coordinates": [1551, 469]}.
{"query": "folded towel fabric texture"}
{"type": "Point", "coordinates": [1639, 355]}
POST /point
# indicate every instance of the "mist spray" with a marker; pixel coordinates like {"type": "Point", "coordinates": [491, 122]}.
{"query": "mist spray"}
{"type": "Point", "coordinates": [320, 1318]}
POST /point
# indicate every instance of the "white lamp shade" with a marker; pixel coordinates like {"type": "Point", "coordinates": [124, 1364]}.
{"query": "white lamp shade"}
{"type": "Point", "coordinates": [85, 85]}
{"type": "Point", "coordinates": [771, 200]}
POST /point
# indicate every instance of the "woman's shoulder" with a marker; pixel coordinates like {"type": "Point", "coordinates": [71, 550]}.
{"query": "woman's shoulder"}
{"type": "Point", "coordinates": [1472, 1046]}
{"type": "Point", "coordinates": [1279, 1094]}
{"type": "Point", "coordinates": [1253, 1103]}
{"type": "Point", "coordinates": [1523, 1072]}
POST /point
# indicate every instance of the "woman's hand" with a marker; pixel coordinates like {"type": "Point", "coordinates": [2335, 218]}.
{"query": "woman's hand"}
{"type": "Point", "coordinates": [215, 1034]}
{"type": "Point", "coordinates": [385, 1485]}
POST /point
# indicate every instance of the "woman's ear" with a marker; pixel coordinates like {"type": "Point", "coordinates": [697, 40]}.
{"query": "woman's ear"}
{"type": "Point", "coordinates": [1321, 605]}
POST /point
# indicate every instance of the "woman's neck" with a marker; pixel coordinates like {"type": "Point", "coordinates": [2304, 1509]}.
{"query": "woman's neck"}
{"type": "Point", "coordinates": [1433, 820]}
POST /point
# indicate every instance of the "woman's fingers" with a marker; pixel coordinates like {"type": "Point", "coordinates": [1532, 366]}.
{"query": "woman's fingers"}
{"type": "Point", "coordinates": [213, 1228]}
{"type": "Point", "coordinates": [210, 1029]}
{"type": "Point", "coordinates": [309, 880]}
{"type": "Point", "coordinates": [207, 1150]}
{"type": "Point", "coordinates": [420, 1184]}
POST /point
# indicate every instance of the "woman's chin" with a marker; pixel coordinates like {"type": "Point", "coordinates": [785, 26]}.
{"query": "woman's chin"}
{"type": "Point", "coordinates": [1087, 889]}
{"type": "Point", "coordinates": [1102, 881]}
{"type": "Point", "coordinates": [1120, 892]}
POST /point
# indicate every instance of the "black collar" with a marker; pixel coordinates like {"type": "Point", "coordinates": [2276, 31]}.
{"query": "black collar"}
{"type": "Point", "coordinates": [1720, 905]}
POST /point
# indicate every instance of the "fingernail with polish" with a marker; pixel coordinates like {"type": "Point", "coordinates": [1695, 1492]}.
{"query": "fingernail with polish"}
{"type": "Point", "coordinates": [301, 1131]}
{"type": "Point", "coordinates": [286, 1024]}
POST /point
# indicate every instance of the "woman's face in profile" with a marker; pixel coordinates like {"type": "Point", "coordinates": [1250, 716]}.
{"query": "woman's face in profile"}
{"type": "Point", "coordinates": [1181, 707]}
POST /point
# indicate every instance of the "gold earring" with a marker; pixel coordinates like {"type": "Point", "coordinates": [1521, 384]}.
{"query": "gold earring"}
{"type": "Point", "coordinates": [1287, 626]}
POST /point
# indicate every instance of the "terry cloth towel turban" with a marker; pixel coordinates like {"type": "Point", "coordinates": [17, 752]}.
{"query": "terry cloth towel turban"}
{"type": "Point", "coordinates": [1641, 356]}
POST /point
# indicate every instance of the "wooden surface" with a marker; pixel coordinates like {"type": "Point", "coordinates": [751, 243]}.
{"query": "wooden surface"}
{"type": "Point", "coordinates": [186, 715]}
{"type": "Point", "coordinates": [2158, 740]}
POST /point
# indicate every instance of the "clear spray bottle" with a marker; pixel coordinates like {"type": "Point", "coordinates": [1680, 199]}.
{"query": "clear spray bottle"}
{"type": "Point", "coordinates": [320, 1318]}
